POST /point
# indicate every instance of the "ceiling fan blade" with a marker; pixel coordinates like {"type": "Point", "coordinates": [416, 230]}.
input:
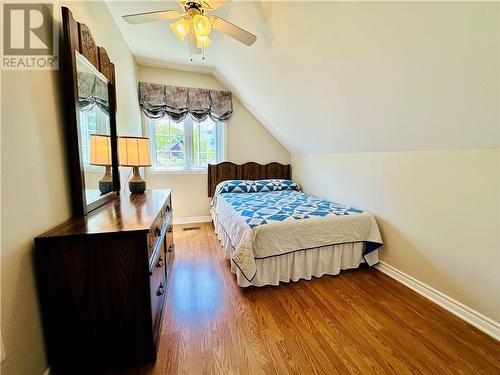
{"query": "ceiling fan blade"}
{"type": "Point", "coordinates": [182, 4]}
{"type": "Point", "coordinates": [233, 31]}
{"type": "Point", "coordinates": [213, 4]}
{"type": "Point", "coordinates": [152, 16]}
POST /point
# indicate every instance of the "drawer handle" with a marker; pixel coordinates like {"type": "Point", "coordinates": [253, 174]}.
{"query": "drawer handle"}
{"type": "Point", "coordinates": [160, 290]}
{"type": "Point", "coordinates": [170, 248]}
{"type": "Point", "coordinates": [160, 262]}
{"type": "Point", "coordinates": [157, 232]}
{"type": "Point", "coordinates": [170, 229]}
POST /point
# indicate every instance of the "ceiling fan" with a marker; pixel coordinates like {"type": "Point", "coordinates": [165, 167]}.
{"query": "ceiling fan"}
{"type": "Point", "coordinates": [194, 23]}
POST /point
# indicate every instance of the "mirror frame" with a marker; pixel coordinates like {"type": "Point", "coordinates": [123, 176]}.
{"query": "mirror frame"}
{"type": "Point", "coordinates": [78, 38]}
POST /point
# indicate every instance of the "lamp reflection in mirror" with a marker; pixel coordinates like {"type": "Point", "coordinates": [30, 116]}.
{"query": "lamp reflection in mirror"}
{"type": "Point", "coordinates": [134, 152]}
{"type": "Point", "coordinates": [100, 154]}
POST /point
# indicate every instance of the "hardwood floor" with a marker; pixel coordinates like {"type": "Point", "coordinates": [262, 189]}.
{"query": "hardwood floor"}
{"type": "Point", "coordinates": [359, 322]}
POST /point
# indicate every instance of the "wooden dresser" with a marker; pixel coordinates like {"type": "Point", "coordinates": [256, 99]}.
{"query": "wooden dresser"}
{"type": "Point", "coordinates": [102, 281]}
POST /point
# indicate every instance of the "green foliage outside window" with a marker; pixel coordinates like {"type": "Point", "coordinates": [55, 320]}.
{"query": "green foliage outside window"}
{"type": "Point", "coordinates": [204, 143]}
{"type": "Point", "coordinates": [170, 144]}
{"type": "Point", "coordinates": [187, 144]}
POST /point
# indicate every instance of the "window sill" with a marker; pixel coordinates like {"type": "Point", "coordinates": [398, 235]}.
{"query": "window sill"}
{"type": "Point", "coordinates": [176, 171]}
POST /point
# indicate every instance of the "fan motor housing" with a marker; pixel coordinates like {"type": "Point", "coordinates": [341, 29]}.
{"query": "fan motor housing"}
{"type": "Point", "coordinates": [192, 7]}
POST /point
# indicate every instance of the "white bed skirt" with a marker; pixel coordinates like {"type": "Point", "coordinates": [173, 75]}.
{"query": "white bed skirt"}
{"type": "Point", "coordinates": [302, 264]}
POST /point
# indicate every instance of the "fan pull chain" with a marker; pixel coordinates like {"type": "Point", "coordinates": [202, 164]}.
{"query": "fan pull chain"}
{"type": "Point", "coordinates": [190, 44]}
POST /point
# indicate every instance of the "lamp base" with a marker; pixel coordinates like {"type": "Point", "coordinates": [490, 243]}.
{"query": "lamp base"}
{"type": "Point", "coordinates": [136, 184]}
{"type": "Point", "coordinates": [105, 186]}
{"type": "Point", "coordinates": [106, 183]}
{"type": "Point", "coordinates": [136, 187]}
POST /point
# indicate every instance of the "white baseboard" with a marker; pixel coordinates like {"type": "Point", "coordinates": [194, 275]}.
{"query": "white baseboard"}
{"type": "Point", "coordinates": [192, 219]}
{"type": "Point", "coordinates": [478, 320]}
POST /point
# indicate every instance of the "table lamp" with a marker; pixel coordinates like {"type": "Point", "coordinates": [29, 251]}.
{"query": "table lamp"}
{"type": "Point", "coordinates": [100, 154]}
{"type": "Point", "coordinates": [134, 152]}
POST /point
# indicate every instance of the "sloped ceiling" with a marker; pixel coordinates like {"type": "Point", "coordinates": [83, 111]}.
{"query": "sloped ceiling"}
{"type": "Point", "coordinates": [349, 77]}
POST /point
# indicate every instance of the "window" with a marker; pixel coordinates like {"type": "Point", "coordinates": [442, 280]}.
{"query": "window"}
{"type": "Point", "coordinates": [93, 121]}
{"type": "Point", "coordinates": [186, 145]}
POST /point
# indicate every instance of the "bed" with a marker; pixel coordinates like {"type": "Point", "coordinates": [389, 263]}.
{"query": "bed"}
{"type": "Point", "coordinates": [273, 232]}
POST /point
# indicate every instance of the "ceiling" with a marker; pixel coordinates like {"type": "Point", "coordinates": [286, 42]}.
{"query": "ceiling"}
{"type": "Point", "coordinates": [154, 43]}
{"type": "Point", "coordinates": [348, 76]}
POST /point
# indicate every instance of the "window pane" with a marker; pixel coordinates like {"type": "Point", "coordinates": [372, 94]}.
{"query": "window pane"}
{"type": "Point", "coordinates": [92, 121]}
{"type": "Point", "coordinates": [170, 144]}
{"type": "Point", "coordinates": [204, 143]}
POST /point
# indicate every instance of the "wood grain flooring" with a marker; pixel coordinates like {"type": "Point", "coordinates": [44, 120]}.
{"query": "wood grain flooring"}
{"type": "Point", "coordinates": [360, 322]}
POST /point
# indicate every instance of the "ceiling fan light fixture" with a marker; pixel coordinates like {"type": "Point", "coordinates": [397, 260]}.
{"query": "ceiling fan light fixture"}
{"type": "Point", "coordinates": [180, 28]}
{"type": "Point", "coordinates": [196, 23]}
{"type": "Point", "coordinates": [201, 24]}
{"type": "Point", "coordinates": [202, 41]}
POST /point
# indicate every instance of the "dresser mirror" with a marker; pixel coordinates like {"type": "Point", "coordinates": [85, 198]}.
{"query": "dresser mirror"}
{"type": "Point", "coordinates": [89, 79]}
{"type": "Point", "coordinates": [94, 130]}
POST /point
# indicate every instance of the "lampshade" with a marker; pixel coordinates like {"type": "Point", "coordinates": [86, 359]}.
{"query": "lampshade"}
{"type": "Point", "coordinates": [202, 41]}
{"type": "Point", "coordinates": [180, 28]}
{"type": "Point", "coordinates": [100, 149]}
{"type": "Point", "coordinates": [201, 25]}
{"type": "Point", "coordinates": [134, 152]}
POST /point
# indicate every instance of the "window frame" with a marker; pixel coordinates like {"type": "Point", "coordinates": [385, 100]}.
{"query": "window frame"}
{"type": "Point", "coordinates": [221, 131]}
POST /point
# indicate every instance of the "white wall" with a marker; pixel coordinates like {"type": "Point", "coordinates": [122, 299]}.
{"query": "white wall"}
{"type": "Point", "coordinates": [35, 191]}
{"type": "Point", "coordinates": [414, 76]}
{"type": "Point", "coordinates": [247, 140]}
{"type": "Point", "coordinates": [358, 76]}
{"type": "Point", "coordinates": [439, 212]}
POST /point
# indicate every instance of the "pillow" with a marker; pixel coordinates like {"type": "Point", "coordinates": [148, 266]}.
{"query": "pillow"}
{"type": "Point", "coordinates": [256, 186]}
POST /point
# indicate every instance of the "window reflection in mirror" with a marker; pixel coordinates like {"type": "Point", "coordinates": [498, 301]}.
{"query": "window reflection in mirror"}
{"type": "Point", "coordinates": [94, 130]}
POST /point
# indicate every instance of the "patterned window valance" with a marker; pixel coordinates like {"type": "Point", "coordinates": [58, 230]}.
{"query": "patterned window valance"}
{"type": "Point", "coordinates": [157, 101]}
{"type": "Point", "coordinates": [91, 92]}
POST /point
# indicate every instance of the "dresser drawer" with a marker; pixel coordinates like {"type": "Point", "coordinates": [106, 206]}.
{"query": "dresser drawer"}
{"type": "Point", "coordinates": [161, 246]}
{"type": "Point", "coordinates": [159, 229]}
{"type": "Point", "coordinates": [169, 237]}
{"type": "Point", "coordinates": [158, 289]}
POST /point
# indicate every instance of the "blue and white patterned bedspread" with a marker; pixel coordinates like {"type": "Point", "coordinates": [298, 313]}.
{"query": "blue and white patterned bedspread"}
{"type": "Point", "coordinates": [241, 208]}
{"type": "Point", "coordinates": [265, 207]}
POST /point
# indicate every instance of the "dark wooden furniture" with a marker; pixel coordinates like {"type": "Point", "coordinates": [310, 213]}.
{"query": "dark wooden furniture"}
{"type": "Point", "coordinates": [248, 171]}
{"type": "Point", "coordinates": [102, 280]}
{"type": "Point", "coordinates": [77, 38]}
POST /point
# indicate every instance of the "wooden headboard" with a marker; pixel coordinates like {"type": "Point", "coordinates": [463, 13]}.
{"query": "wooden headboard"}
{"type": "Point", "coordinates": [248, 171]}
